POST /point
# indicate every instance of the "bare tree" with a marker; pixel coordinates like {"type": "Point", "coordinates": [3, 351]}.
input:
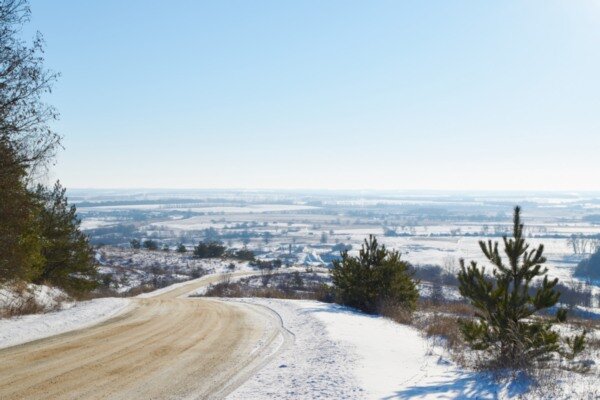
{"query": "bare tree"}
{"type": "Point", "coordinates": [574, 243]}
{"type": "Point", "coordinates": [595, 244]}
{"type": "Point", "coordinates": [580, 244]}
{"type": "Point", "coordinates": [24, 116]}
{"type": "Point", "coordinates": [584, 244]}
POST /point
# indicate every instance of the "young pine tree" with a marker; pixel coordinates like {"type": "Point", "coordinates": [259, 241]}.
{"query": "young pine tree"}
{"type": "Point", "coordinates": [375, 276]}
{"type": "Point", "coordinates": [69, 261]}
{"type": "Point", "coordinates": [506, 325]}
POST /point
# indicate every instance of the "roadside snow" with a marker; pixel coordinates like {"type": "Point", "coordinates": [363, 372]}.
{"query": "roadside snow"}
{"type": "Point", "coordinates": [341, 353]}
{"type": "Point", "coordinates": [395, 361]}
{"type": "Point", "coordinates": [79, 315]}
{"type": "Point", "coordinates": [313, 367]}
{"type": "Point", "coordinates": [48, 298]}
{"type": "Point", "coordinates": [169, 288]}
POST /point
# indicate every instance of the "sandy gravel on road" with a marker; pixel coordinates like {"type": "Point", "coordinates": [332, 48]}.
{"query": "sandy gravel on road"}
{"type": "Point", "coordinates": [163, 347]}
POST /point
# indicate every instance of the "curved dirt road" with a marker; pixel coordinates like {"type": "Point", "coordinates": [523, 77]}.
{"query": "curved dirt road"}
{"type": "Point", "coordinates": [162, 347]}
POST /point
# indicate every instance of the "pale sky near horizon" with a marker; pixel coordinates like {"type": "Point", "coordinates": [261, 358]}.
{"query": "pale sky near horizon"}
{"type": "Point", "coordinates": [443, 95]}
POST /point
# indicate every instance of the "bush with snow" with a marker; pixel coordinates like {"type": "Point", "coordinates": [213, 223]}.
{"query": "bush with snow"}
{"type": "Point", "coordinates": [22, 299]}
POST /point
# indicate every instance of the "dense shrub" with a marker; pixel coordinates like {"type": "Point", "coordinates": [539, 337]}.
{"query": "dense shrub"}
{"type": "Point", "coordinates": [112, 235]}
{"type": "Point", "coordinates": [267, 264]}
{"type": "Point", "coordinates": [376, 276]}
{"type": "Point", "coordinates": [150, 245]}
{"type": "Point", "coordinates": [576, 294]}
{"type": "Point", "coordinates": [435, 274]}
{"type": "Point", "coordinates": [244, 254]}
{"type": "Point", "coordinates": [590, 267]}
{"type": "Point", "coordinates": [281, 285]}
{"type": "Point", "coordinates": [209, 250]}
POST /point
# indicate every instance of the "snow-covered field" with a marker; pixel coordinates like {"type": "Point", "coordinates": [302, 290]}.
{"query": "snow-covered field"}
{"type": "Point", "coordinates": [446, 251]}
{"type": "Point", "coordinates": [94, 223]}
{"type": "Point", "coordinates": [253, 208]}
{"type": "Point", "coordinates": [303, 228]}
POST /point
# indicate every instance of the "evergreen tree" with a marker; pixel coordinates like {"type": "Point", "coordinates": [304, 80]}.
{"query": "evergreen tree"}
{"type": "Point", "coordinates": [375, 276]}
{"type": "Point", "coordinates": [150, 245]}
{"type": "Point", "coordinates": [506, 325]}
{"type": "Point", "coordinates": [209, 250]}
{"type": "Point", "coordinates": [181, 248]}
{"type": "Point", "coordinates": [20, 244]}
{"type": "Point", "coordinates": [244, 254]}
{"type": "Point", "coordinates": [69, 260]}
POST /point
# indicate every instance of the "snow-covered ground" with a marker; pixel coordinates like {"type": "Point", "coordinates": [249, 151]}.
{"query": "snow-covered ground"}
{"type": "Point", "coordinates": [77, 315]}
{"type": "Point", "coordinates": [131, 268]}
{"type": "Point", "coordinates": [314, 366]}
{"type": "Point", "coordinates": [342, 353]}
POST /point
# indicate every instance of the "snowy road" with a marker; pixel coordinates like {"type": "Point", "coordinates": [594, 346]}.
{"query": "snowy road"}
{"type": "Point", "coordinates": [163, 347]}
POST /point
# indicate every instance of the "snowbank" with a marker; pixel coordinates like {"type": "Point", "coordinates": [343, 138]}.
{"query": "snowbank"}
{"type": "Point", "coordinates": [342, 353]}
{"type": "Point", "coordinates": [313, 367]}
{"type": "Point", "coordinates": [79, 315]}
{"type": "Point", "coordinates": [395, 361]}
{"type": "Point", "coordinates": [48, 298]}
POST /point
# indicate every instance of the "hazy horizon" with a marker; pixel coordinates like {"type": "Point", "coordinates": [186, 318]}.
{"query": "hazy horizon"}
{"type": "Point", "coordinates": [328, 189]}
{"type": "Point", "coordinates": [367, 192]}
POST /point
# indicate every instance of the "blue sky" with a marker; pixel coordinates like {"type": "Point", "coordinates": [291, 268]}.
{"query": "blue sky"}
{"type": "Point", "coordinates": [460, 95]}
